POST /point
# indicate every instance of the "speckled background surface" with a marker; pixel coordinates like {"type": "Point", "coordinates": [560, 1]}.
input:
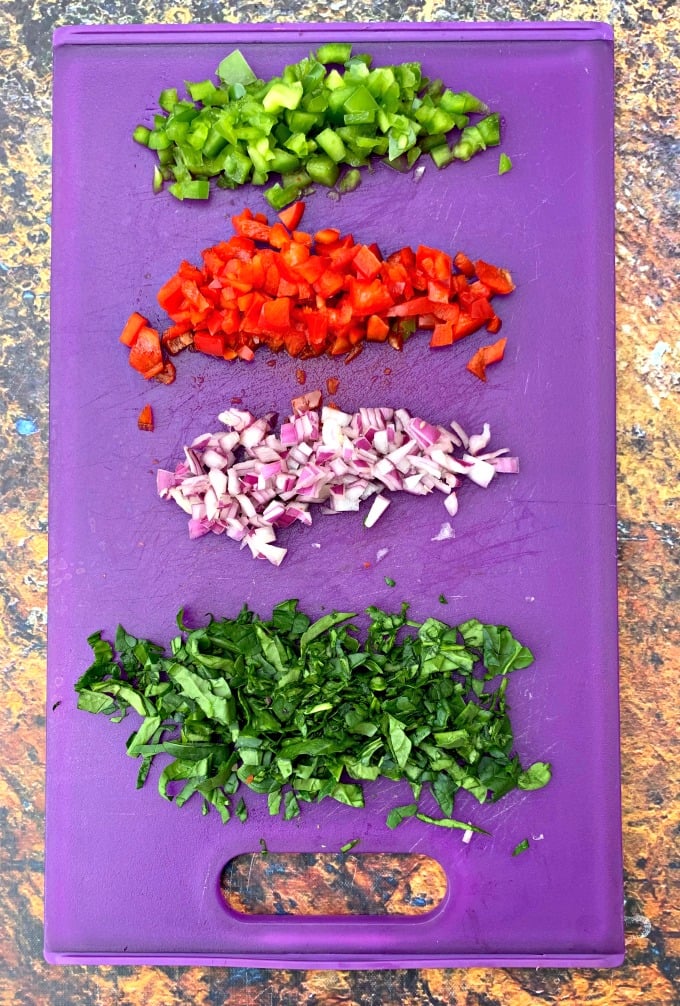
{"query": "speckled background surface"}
{"type": "Point", "coordinates": [648, 238]}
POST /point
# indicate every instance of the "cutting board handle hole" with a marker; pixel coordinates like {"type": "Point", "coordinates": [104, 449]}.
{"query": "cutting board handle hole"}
{"type": "Point", "coordinates": [313, 884]}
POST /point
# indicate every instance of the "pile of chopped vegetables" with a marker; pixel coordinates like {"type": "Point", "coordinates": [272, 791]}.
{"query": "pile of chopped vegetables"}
{"type": "Point", "coordinates": [250, 481]}
{"type": "Point", "coordinates": [304, 711]}
{"type": "Point", "coordinates": [309, 124]}
{"type": "Point", "coordinates": [280, 288]}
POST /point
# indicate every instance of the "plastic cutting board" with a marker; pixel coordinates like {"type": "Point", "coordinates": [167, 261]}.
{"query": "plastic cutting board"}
{"type": "Point", "coordinates": [130, 878]}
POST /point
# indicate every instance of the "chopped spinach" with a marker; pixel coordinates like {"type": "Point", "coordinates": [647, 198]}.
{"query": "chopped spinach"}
{"type": "Point", "coordinates": [302, 711]}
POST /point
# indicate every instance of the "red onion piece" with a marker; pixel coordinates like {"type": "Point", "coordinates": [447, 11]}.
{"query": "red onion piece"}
{"type": "Point", "coordinates": [251, 481]}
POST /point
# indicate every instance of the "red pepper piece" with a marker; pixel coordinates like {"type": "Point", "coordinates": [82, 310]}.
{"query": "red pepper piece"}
{"type": "Point", "coordinates": [366, 262]}
{"type": "Point", "coordinates": [132, 328]}
{"type": "Point", "coordinates": [498, 280]}
{"type": "Point", "coordinates": [369, 297]}
{"type": "Point", "coordinates": [377, 330]}
{"type": "Point", "coordinates": [434, 264]}
{"type": "Point", "coordinates": [291, 216]}
{"type": "Point", "coordinates": [145, 419]}
{"type": "Point", "coordinates": [327, 236]}
{"type": "Point", "coordinates": [484, 357]}
{"type": "Point", "coordinates": [146, 353]}
{"type": "Point", "coordinates": [251, 228]}
{"type": "Point", "coordinates": [411, 308]}
{"type": "Point", "coordinates": [464, 265]}
{"type": "Point", "coordinates": [170, 295]}
{"type": "Point", "coordinates": [466, 325]}
{"type": "Point", "coordinates": [442, 335]}
{"type": "Point", "coordinates": [278, 236]}
{"type": "Point", "coordinates": [276, 314]}
{"type": "Point", "coordinates": [213, 345]}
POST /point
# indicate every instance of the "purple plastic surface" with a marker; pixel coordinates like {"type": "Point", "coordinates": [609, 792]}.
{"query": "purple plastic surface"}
{"type": "Point", "coordinates": [129, 877]}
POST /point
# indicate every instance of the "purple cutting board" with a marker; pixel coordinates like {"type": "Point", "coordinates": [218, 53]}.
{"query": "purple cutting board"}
{"type": "Point", "coordinates": [130, 878]}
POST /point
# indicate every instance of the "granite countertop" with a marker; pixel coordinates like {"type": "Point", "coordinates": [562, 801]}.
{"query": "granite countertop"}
{"type": "Point", "coordinates": [647, 62]}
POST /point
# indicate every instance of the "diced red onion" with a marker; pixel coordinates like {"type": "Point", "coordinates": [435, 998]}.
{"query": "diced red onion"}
{"type": "Point", "coordinates": [249, 482]}
{"type": "Point", "coordinates": [378, 508]}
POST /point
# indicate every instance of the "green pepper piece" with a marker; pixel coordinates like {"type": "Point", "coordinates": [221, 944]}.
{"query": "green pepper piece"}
{"type": "Point", "coordinates": [281, 95]}
{"type": "Point", "coordinates": [214, 143]}
{"type": "Point", "coordinates": [301, 122]}
{"type": "Point", "coordinates": [193, 189]}
{"type": "Point", "coordinates": [198, 134]}
{"type": "Point", "coordinates": [462, 101]}
{"type": "Point", "coordinates": [300, 145]}
{"type": "Point", "coordinates": [202, 91]}
{"type": "Point", "coordinates": [158, 140]}
{"type": "Point", "coordinates": [486, 133]}
{"type": "Point", "coordinates": [323, 169]}
{"type": "Point", "coordinates": [334, 52]}
{"type": "Point", "coordinates": [168, 99]}
{"type": "Point", "coordinates": [141, 135]}
{"type": "Point", "coordinates": [350, 181]}
{"type": "Point", "coordinates": [504, 164]}
{"type": "Point", "coordinates": [331, 143]}
{"type": "Point", "coordinates": [361, 101]}
{"type": "Point", "coordinates": [298, 179]}
{"type": "Point", "coordinates": [283, 161]}
{"type": "Point", "coordinates": [442, 155]}
{"type": "Point", "coordinates": [279, 196]}
{"type": "Point", "coordinates": [234, 69]}
{"type": "Point", "coordinates": [236, 166]}
{"type": "Point", "coordinates": [177, 131]}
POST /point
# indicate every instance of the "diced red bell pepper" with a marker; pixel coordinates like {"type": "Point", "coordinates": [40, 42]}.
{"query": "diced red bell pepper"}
{"type": "Point", "coordinates": [145, 419]}
{"type": "Point", "coordinates": [464, 265]}
{"type": "Point", "coordinates": [498, 280]}
{"type": "Point", "coordinates": [442, 335]}
{"type": "Point", "coordinates": [213, 345]}
{"type": "Point", "coordinates": [132, 328]}
{"type": "Point", "coordinates": [377, 329]}
{"type": "Point", "coordinates": [276, 314]}
{"type": "Point", "coordinates": [434, 263]}
{"type": "Point", "coordinates": [484, 357]}
{"type": "Point", "coordinates": [366, 262]}
{"type": "Point", "coordinates": [146, 353]}
{"type": "Point", "coordinates": [369, 297]}
{"type": "Point", "coordinates": [283, 288]}
{"type": "Point", "coordinates": [327, 236]}
{"type": "Point", "coordinates": [411, 308]}
{"type": "Point", "coordinates": [291, 216]}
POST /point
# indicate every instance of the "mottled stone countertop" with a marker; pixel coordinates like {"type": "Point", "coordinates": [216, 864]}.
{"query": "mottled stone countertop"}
{"type": "Point", "coordinates": [648, 239]}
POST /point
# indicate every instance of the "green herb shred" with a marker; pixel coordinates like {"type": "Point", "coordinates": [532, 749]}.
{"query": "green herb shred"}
{"type": "Point", "coordinates": [521, 847]}
{"type": "Point", "coordinates": [304, 711]}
